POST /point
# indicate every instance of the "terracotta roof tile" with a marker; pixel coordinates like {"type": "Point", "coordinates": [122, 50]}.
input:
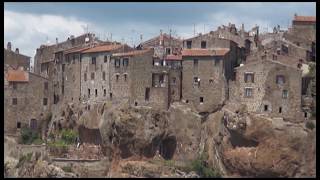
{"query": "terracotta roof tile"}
{"type": "Point", "coordinates": [75, 50]}
{"type": "Point", "coordinates": [103, 48]}
{"type": "Point", "coordinates": [17, 76]}
{"type": "Point", "coordinates": [305, 18]}
{"type": "Point", "coordinates": [172, 57]}
{"type": "Point", "coordinates": [204, 52]}
{"type": "Point", "coordinates": [132, 53]}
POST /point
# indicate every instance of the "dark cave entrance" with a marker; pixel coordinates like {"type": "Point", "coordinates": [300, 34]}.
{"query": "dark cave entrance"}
{"type": "Point", "coordinates": [167, 147]}
{"type": "Point", "coordinates": [237, 140]}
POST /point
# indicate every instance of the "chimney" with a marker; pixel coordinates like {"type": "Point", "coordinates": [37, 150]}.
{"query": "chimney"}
{"type": "Point", "coordinates": [9, 46]}
{"type": "Point", "coordinates": [242, 27]}
{"type": "Point", "coordinates": [161, 38]}
{"type": "Point", "coordinates": [56, 40]}
{"type": "Point", "coordinates": [17, 50]}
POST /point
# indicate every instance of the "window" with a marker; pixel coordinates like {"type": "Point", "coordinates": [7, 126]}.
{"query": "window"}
{"type": "Point", "coordinates": [210, 81]}
{"type": "Point", "coordinates": [93, 60]}
{"type": "Point", "coordinates": [285, 94]}
{"type": "Point", "coordinates": [85, 76]}
{"type": "Point", "coordinates": [196, 81]}
{"type": "Point", "coordinates": [62, 89]}
{"type": "Point", "coordinates": [125, 62]}
{"type": "Point", "coordinates": [117, 77]}
{"type": "Point", "coordinates": [266, 107]}
{"type": "Point", "coordinates": [46, 85]}
{"type": "Point", "coordinates": [117, 63]}
{"type": "Point", "coordinates": [248, 77]}
{"type": "Point", "coordinates": [189, 44]}
{"type": "Point", "coordinates": [203, 44]}
{"type": "Point", "coordinates": [18, 125]}
{"type": "Point", "coordinates": [201, 100]}
{"type": "Point", "coordinates": [280, 79]}
{"type": "Point", "coordinates": [14, 85]}
{"type": "Point", "coordinates": [125, 77]}
{"type": "Point", "coordinates": [63, 67]}
{"type": "Point", "coordinates": [147, 94]}
{"type": "Point", "coordinates": [104, 75]}
{"type": "Point", "coordinates": [92, 76]}
{"type": "Point", "coordinates": [45, 101]}
{"type": "Point", "coordinates": [33, 124]}
{"type": "Point", "coordinates": [174, 80]}
{"type": "Point", "coordinates": [88, 92]}
{"type": "Point", "coordinates": [104, 92]}
{"type": "Point", "coordinates": [105, 59]}
{"type": "Point", "coordinates": [216, 62]}
{"type": "Point", "coordinates": [14, 101]}
{"type": "Point", "coordinates": [248, 92]}
{"type": "Point", "coordinates": [195, 63]}
{"type": "Point", "coordinates": [110, 95]}
{"type": "Point", "coordinates": [280, 110]}
{"type": "Point", "coordinates": [96, 92]}
{"type": "Point", "coordinates": [168, 50]}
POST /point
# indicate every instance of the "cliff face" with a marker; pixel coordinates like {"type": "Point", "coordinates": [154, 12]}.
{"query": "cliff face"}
{"type": "Point", "coordinates": [237, 144]}
{"type": "Point", "coordinates": [145, 142]}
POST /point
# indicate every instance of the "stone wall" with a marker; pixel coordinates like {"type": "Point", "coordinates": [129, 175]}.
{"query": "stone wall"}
{"type": "Point", "coordinates": [15, 60]}
{"type": "Point", "coordinates": [212, 82]}
{"type": "Point", "coordinates": [29, 105]}
{"type": "Point", "coordinates": [265, 90]}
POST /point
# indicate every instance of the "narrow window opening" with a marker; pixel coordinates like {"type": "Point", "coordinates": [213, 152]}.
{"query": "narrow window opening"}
{"type": "Point", "coordinates": [147, 94]}
{"type": "Point", "coordinates": [265, 107]}
{"type": "Point", "coordinates": [280, 110]}
{"type": "Point", "coordinates": [45, 101]}
{"type": "Point", "coordinates": [14, 101]}
{"type": "Point", "coordinates": [18, 125]}
{"type": "Point", "coordinates": [104, 75]}
{"type": "Point", "coordinates": [104, 92]}
{"type": "Point", "coordinates": [110, 95]}
{"type": "Point", "coordinates": [305, 114]}
{"type": "Point", "coordinates": [92, 76]}
{"type": "Point", "coordinates": [135, 104]}
{"type": "Point", "coordinates": [88, 92]}
{"type": "Point", "coordinates": [201, 100]}
{"type": "Point", "coordinates": [96, 91]}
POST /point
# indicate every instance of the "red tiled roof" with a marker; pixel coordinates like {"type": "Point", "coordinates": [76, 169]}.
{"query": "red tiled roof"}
{"type": "Point", "coordinates": [17, 76]}
{"type": "Point", "coordinates": [172, 57]}
{"type": "Point", "coordinates": [103, 48]}
{"type": "Point", "coordinates": [305, 18]}
{"type": "Point", "coordinates": [204, 52]}
{"type": "Point", "coordinates": [132, 53]}
{"type": "Point", "coordinates": [75, 50]}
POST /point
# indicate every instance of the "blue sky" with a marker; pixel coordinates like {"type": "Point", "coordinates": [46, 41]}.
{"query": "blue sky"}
{"type": "Point", "coordinates": [28, 25]}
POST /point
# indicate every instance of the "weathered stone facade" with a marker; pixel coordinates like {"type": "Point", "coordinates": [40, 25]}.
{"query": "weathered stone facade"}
{"type": "Point", "coordinates": [26, 96]}
{"type": "Point", "coordinates": [204, 81]}
{"type": "Point", "coordinates": [14, 59]}
{"type": "Point", "coordinates": [269, 87]}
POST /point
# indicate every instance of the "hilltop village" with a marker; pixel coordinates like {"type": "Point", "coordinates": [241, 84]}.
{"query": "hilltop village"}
{"type": "Point", "coordinates": [268, 73]}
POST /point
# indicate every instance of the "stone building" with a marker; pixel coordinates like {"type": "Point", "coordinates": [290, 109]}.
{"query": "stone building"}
{"type": "Point", "coordinates": [269, 87]}
{"type": "Point", "coordinates": [26, 96]}
{"type": "Point", "coordinates": [174, 63]}
{"type": "Point", "coordinates": [210, 41]}
{"type": "Point", "coordinates": [97, 72]}
{"type": "Point", "coordinates": [205, 77]}
{"type": "Point", "coordinates": [139, 79]}
{"type": "Point", "coordinates": [163, 45]}
{"type": "Point", "coordinates": [14, 59]}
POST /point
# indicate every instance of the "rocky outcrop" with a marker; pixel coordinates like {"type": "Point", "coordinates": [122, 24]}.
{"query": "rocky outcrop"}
{"type": "Point", "coordinates": [265, 147]}
{"type": "Point", "coordinates": [136, 131]}
{"type": "Point", "coordinates": [34, 167]}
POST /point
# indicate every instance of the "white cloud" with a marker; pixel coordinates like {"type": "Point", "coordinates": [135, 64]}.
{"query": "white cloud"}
{"type": "Point", "coordinates": [28, 31]}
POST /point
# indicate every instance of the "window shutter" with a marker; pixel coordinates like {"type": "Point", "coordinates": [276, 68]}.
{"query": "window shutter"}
{"type": "Point", "coordinates": [245, 77]}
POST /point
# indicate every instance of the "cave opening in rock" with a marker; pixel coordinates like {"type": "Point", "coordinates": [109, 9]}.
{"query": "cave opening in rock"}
{"type": "Point", "coordinates": [167, 147]}
{"type": "Point", "coordinates": [237, 140]}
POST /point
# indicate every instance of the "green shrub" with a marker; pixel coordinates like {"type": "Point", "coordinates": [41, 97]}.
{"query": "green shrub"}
{"type": "Point", "coordinates": [28, 136]}
{"type": "Point", "coordinates": [38, 141]}
{"type": "Point", "coordinates": [201, 169]}
{"type": "Point", "coordinates": [68, 136]}
{"type": "Point", "coordinates": [310, 125]}
{"type": "Point", "coordinates": [58, 147]}
{"type": "Point", "coordinates": [66, 168]}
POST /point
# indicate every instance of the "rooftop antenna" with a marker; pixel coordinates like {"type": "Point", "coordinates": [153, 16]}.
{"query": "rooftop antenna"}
{"type": "Point", "coordinates": [204, 28]}
{"type": "Point", "coordinates": [47, 40]}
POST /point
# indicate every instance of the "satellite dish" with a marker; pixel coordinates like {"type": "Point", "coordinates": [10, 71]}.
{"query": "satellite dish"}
{"type": "Point", "coordinates": [87, 39]}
